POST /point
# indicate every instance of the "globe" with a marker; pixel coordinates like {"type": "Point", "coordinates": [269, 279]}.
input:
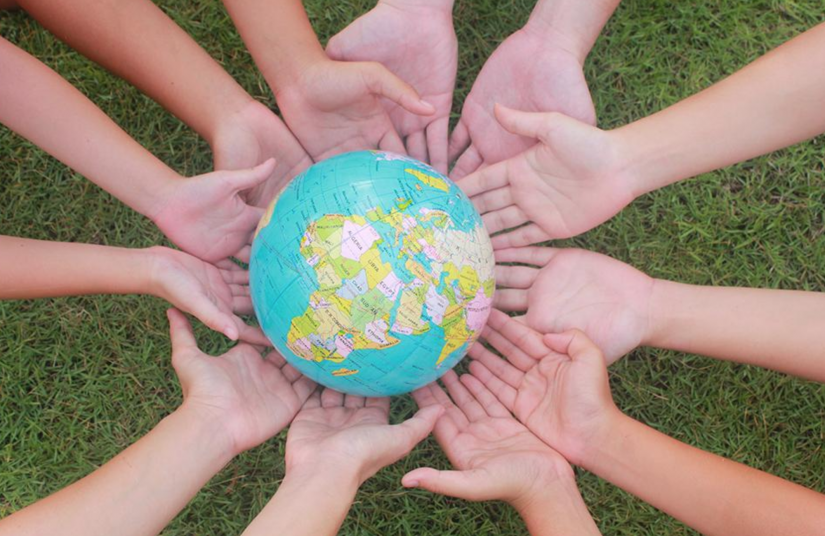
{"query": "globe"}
{"type": "Point", "coordinates": [372, 274]}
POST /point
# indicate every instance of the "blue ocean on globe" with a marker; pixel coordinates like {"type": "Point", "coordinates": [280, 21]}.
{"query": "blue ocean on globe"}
{"type": "Point", "coordinates": [372, 274]}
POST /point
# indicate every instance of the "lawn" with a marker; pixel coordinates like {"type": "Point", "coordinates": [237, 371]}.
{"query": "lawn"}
{"type": "Point", "coordinates": [82, 378]}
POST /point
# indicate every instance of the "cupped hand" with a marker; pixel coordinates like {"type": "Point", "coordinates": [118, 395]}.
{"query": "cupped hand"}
{"type": "Point", "coordinates": [416, 42]}
{"type": "Point", "coordinates": [577, 289]}
{"type": "Point", "coordinates": [253, 397]}
{"type": "Point", "coordinates": [347, 431]}
{"type": "Point", "coordinates": [571, 181]}
{"type": "Point", "coordinates": [207, 215]}
{"type": "Point", "coordinates": [526, 72]}
{"type": "Point", "coordinates": [250, 137]}
{"type": "Point", "coordinates": [495, 456]}
{"type": "Point", "coordinates": [212, 293]}
{"type": "Point", "coordinates": [335, 107]}
{"type": "Point", "coordinates": [556, 385]}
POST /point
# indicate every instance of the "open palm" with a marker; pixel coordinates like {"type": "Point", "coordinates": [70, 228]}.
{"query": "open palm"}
{"type": "Point", "coordinates": [418, 44]}
{"type": "Point", "coordinates": [496, 457]}
{"type": "Point", "coordinates": [577, 289]}
{"type": "Point", "coordinates": [567, 184]}
{"type": "Point", "coordinates": [560, 394]}
{"type": "Point", "coordinates": [526, 73]}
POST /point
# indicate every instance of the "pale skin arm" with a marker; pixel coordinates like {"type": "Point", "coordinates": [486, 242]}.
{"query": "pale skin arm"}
{"type": "Point", "coordinates": [711, 494]}
{"type": "Point", "coordinates": [231, 403]}
{"type": "Point", "coordinates": [571, 24]}
{"type": "Point", "coordinates": [41, 106]}
{"type": "Point", "coordinates": [776, 101]}
{"type": "Point", "coordinates": [41, 269]}
{"type": "Point", "coordinates": [777, 329]}
{"type": "Point", "coordinates": [139, 491]}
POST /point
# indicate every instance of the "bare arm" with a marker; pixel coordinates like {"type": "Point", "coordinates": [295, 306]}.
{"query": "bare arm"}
{"type": "Point", "coordinates": [776, 329]}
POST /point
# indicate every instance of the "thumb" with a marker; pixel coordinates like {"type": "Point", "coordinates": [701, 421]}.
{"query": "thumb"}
{"type": "Point", "coordinates": [383, 83]}
{"type": "Point", "coordinates": [412, 431]}
{"type": "Point", "coordinates": [335, 49]}
{"type": "Point", "coordinates": [528, 124]}
{"type": "Point", "coordinates": [469, 485]}
{"type": "Point", "coordinates": [245, 179]}
{"type": "Point", "coordinates": [575, 344]}
{"type": "Point", "coordinates": [180, 331]}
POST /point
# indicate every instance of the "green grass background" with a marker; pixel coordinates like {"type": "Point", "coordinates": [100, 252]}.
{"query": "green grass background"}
{"type": "Point", "coordinates": [82, 378]}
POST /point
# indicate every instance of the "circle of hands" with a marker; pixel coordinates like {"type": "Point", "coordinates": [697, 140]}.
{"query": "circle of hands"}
{"type": "Point", "coordinates": [527, 154]}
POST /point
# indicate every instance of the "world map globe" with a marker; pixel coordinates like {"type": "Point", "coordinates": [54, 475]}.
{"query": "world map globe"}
{"type": "Point", "coordinates": [372, 274]}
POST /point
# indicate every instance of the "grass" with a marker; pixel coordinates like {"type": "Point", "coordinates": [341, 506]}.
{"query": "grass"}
{"type": "Point", "coordinates": [82, 378]}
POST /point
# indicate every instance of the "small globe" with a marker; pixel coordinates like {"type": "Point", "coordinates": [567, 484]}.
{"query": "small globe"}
{"type": "Point", "coordinates": [372, 273]}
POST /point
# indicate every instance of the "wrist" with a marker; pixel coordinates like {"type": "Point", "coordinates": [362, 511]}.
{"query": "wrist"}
{"type": "Point", "coordinates": [154, 262]}
{"type": "Point", "coordinates": [446, 5]}
{"type": "Point", "coordinates": [672, 306]}
{"type": "Point", "coordinates": [557, 478]}
{"type": "Point", "coordinates": [339, 478]}
{"type": "Point", "coordinates": [570, 24]}
{"type": "Point", "coordinates": [213, 437]}
{"type": "Point", "coordinates": [559, 506]}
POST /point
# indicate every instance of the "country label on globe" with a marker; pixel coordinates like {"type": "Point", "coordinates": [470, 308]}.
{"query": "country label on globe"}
{"type": "Point", "coordinates": [372, 274]}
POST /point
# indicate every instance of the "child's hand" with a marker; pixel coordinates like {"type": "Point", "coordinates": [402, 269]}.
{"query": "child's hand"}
{"type": "Point", "coordinates": [568, 183]}
{"type": "Point", "coordinates": [416, 41]}
{"type": "Point", "coordinates": [527, 72]}
{"type": "Point", "coordinates": [207, 215]}
{"type": "Point", "coordinates": [496, 457]}
{"type": "Point", "coordinates": [211, 293]}
{"type": "Point", "coordinates": [253, 135]}
{"type": "Point", "coordinates": [351, 433]}
{"type": "Point", "coordinates": [334, 107]}
{"type": "Point", "coordinates": [555, 385]}
{"type": "Point", "coordinates": [253, 397]}
{"type": "Point", "coordinates": [574, 288]}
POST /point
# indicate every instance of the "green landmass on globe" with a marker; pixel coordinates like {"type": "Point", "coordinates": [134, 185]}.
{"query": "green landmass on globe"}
{"type": "Point", "coordinates": [388, 282]}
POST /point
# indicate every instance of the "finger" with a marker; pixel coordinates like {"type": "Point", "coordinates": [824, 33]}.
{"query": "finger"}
{"type": "Point", "coordinates": [392, 142]}
{"type": "Point", "coordinates": [412, 431]}
{"type": "Point", "coordinates": [180, 331]}
{"type": "Point", "coordinates": [456, 415]}
{"type": "Point", "coordinates": [242, 305]}
{"type": "Point", "coordinates": [304, 387]}
{"type": "Point", "coordinates": [506, 394]}
{"type": "Point", "coordinates": [506, 218]}
{"type": "Point", "coordinates": [471, 485]}
{"type": "Point", "coordinates": [490, 178]}
{"type": "Point", "coordinates": [251, 334]}
{"type": "Point", "coordinates": [313, 401]}
{"type": "Point", "coordinates": [523, 236]}
{"type": "Point", "coordinates": [417, 146]}
{"type": "Point", "coordinates": [354, 401]}
{"type": "Point", "coordinates": [239, 290]}
{"type": "Point", "coordinates": [276, 358]}
{"type": "Point", "coordinates": [467, 163]}
{"type": "Point", "coordinates": [243, 254]}
{"type": "Point", "coordinates": [210, 314]}
{"type": "Point", "coordinates": [291, 373]}
{"type": "Point", "coordinates": [459, 141]}
{"type": "Point", "coordinates": [575, 344]}
{"type": "Point", "coordinates": [335, 49]}
{"type": "Point", "coordinates": [516, 277]}
{"type": "Point", "coordinates": [445, 428]}
{"type": "Point", "coordinates": [383, 83]}
{"type": "Point", "coordinates": [526, 339]}
{"type": "Point", "coordinates": [462, 397]}
{"type": "Point", "coordinates": [485, 398]}
{"type": "Point", "coordinates": [382, 403]}
{"type": "Point", "coordinates": [331, 399]}
{"type": "Point", "coordinates": [527, 124]}
{"type": "Point", "coordinates": [229, 265]}
{"type": "Point", "coordinates": [437, 144]}
{"type": "Point", "coordinates": [423, 397]}
{"type": "Point", "coordinates": [497, 199]}
{"type": "Point", "coordinates": [245, 179]}
{"type": "Point", "coordinates": [511, 300]}
{"type": "Point", "coordinates": [236, 277]}
{"type": "Point", "coordinates": [536, 256]}
{"type": "Point", "coordinates": [503, 370]}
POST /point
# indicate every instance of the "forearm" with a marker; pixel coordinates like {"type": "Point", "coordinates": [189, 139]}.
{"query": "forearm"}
{"type": "Point", "coordinates": [571, 24]}
{"type": "Point", "coordinates": [138, 42]}
{"type": "Point", "coordinates": [41, 106]}
{"type": "Point", "coordinates": [279, 36]}
{"type": "Point", "coordinates": [559, 510]}
{"type": "Point", "coordinates": [139, 491]}
{"type": "Point", "coordinates": [709, 493]}
{"type": "Point", "coordinates": [776, 329]}
{"type": "Point", "coordinates": [41, 269]}
{"type": "Point", "coordinates": [774, 102]}
{"type": "Point", "coordinates": [294, 510]}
